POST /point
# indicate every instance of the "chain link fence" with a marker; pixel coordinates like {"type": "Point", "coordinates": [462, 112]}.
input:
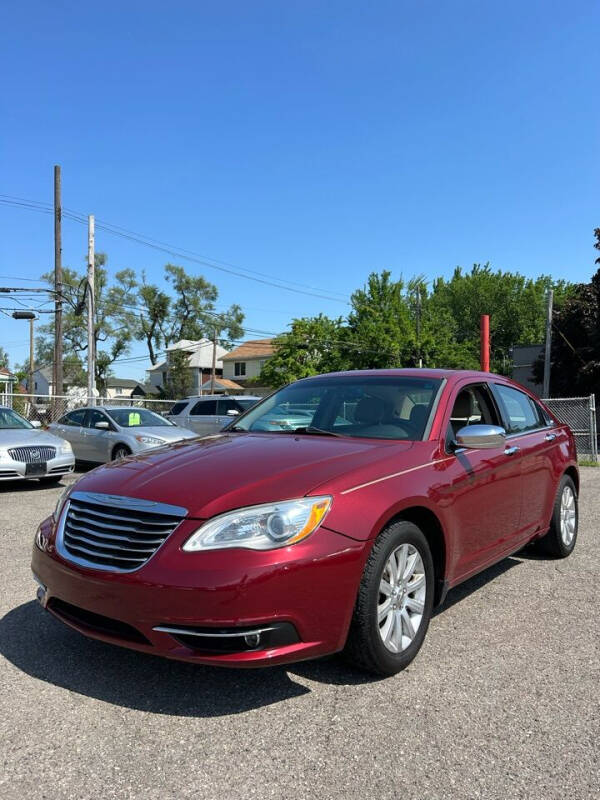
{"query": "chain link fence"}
{"type": "Point", "coordinates": [45, 409]}
{"type": "Point", "coordinates": [579, 413]}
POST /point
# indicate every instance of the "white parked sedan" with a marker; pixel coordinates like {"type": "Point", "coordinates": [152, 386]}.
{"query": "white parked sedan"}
{"type": "Point", "coordinates": [102, 433]}
{"type": "Point", "coordinates": [27, 452]}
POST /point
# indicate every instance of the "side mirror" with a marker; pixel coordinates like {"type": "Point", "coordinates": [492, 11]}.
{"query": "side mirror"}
{"type": "Point", "coordinates": [103, 426]}
{"type": "Point", "coordinates": [481, 437]}
{"type": "Point", "coordinates": [232, 412]}
{"type": "Point", "coordinates": [36, 423]}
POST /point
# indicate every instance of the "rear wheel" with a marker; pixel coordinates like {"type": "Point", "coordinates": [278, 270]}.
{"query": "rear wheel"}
{"type": "Point", "coordinates": [121, 451]}
{"type": "Point", "coordinates": [560, 540]}
{"type": "Point", "coordinates": [394, 602]}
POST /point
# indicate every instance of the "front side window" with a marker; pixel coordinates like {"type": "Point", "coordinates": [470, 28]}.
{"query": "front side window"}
{"type": "Point", "coordinates": [93, 417]}
{"type": "Point", "coordinates": [74, 418]}
{"type": "Point", "coordinates": [473, 405]}
{"type": "Point", "coordinates": [378, 407]}
{"type": "Point", "coordinates": [520, 411]}
{"type": "Point", "coordinates": [177, 408]}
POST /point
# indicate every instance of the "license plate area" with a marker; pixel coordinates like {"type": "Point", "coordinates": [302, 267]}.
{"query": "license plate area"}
{"type": "Point", "coordinates": [35, 469]}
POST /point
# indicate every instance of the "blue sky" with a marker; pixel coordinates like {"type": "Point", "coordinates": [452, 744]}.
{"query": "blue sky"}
{"type": "Point", "coordinates": [309, 141]}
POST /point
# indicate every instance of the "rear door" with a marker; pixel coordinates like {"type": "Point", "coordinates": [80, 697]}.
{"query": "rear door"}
{"type": "Point", "coordinates": [528, 429]}
{"type": "Point", "coordinates": [203, 417]}
{"type": "Point", "coordinates": [483, 492]}
{"type": "Point", "coordinates": [70, 427]}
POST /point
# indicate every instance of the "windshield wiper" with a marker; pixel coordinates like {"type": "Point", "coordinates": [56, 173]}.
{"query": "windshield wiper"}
{"type": "Point", "coordinates": [320, 431]}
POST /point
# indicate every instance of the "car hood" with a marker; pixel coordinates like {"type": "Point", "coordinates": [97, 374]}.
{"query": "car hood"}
{"type": "Point", "coordinates": [217, 473]}
{"type": "Point", "coordinates": [167, 432]}
{"type": "Point", "coordinates": [28, 436]}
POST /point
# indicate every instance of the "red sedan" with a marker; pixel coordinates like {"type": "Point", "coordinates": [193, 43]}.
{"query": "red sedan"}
{"type": "Point", "coordinates": [340, 530]}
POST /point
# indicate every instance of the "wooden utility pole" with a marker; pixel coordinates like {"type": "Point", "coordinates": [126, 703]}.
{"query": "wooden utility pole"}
{"type": "Point", "coordinates": [57, 371]}
{"type": "Point", "coordinates": [214, 363]}
{"type": "Point", "coordinates": [546, 385]}
{"type": "Point", "coordinates": [91, 314]}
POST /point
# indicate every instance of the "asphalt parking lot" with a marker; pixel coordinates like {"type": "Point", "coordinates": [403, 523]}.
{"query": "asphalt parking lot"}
{"type": "Point", "coordinates": [502, 702]}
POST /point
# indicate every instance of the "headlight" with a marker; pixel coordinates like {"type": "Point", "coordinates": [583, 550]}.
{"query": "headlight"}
{"type": "Point", "coordinates": [151, 440]}
{"type": "Point", "coordinates": [261, 527]}
{"type": "Point", "coordinates": [66, 447]}
{"type": "Point", "coordinates": [60, 503]}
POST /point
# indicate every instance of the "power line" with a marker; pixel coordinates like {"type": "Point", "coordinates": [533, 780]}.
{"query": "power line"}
{"type": "Point", "coordinates": [178, 252]}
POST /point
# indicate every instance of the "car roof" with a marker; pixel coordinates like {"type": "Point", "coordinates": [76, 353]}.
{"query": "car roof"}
{"type": "Point", "coordinates": [221, 397]}
{"type": "Point", "coordinates": [411, 372]}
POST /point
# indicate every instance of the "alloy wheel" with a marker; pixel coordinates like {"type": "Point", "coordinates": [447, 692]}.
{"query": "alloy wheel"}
{"type": "Point", "coordinates": [401, 602]}
{"type": "Point", "coordinates": [568, 516]}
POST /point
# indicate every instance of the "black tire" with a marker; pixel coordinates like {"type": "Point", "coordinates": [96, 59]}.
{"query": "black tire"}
{"type": "Point", "coordinates": [553, 544]}
{"type": "Point", "coordinates": [365, 648]}
{"type": "Point", "coordinates": [50, 479]}
{"type": "Point", "coordinates": [120, 451]}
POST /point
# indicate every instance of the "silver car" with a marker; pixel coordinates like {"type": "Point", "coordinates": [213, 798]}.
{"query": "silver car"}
{"type": "Point", "coordinates": [210, 413]}
{"type": "Point", "coordinates": [103, 433]}
{"type": "Point", "coordinates": [27, 452]}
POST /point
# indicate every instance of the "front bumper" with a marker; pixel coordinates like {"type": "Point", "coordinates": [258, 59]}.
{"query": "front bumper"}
{"type": "Point", "coordinates": [11, 470]}
{"type": "Point", "coordinates": [303, 595]}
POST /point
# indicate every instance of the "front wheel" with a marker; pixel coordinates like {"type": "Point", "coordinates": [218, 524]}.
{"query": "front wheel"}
{"type": "Point", "coordinates": [394, 602]}
{"type": "Point", "coordinates": [121, 452]}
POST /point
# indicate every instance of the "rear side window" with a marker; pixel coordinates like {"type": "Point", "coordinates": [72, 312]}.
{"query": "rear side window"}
{"type": "Point", "coordinates": [205, 408]}
{"type": "Point", "coordinates": [178, 407]}
{"type": "Point", "coordinates": [520, 411]}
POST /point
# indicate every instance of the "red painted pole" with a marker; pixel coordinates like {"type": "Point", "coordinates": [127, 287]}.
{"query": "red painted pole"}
{"type": "Point", "coordinates": [485, 342]}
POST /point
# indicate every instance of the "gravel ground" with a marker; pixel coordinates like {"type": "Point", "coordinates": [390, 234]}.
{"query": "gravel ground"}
{"type": "Point", "coordinates": [502, 701]}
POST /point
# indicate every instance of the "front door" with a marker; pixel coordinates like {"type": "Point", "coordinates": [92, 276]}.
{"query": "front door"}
{"type": "Point", "coordinates": [203, 417]}
{"type": "Point", "coordinates": [96, 442]}
{"type": "Point", "coordinates": [483, 491]}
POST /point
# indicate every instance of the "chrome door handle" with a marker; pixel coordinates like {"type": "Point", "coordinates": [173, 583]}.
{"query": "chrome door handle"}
{"type": "Point", "coordinates": [510, 451]}
{"type": "Point", "coordinates": [550, 437]}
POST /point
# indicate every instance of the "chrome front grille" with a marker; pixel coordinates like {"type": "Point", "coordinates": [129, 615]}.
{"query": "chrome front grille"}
{"type": "Point", "coordinates": [114, 533]}
{"type": "Point", "coordinates": [32, 455]}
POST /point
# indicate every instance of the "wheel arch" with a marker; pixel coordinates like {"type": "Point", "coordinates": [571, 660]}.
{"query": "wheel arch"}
{"type": "Point", "coordinates": [573, 473]}
{"type": "Point", "coordinates": [116, 446]}
{"type": "Point", "coordinates": [428, 522]}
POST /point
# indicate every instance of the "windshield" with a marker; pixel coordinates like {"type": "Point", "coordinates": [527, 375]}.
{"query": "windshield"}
{"type": "Point", "coordinates": [9, 420]}
{"type": "Point", "coordinates": [136, 418]}
{"type": "Point", "coordinates": [378, 407]}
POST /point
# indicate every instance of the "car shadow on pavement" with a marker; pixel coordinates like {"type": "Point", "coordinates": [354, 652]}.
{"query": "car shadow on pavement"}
{"type": "Point", "coordinates": [464, 590]}
{"type": "Point", "coordinates": [50, 651]}
{"type": "Point", "coordinates": [44, 648]}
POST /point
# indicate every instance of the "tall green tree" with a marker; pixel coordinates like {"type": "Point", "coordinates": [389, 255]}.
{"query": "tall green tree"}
{"type": "Point", "coordinates": [516, 306]}
{"type": "Point", "coordinates": [379, 325]}
{"type": "Point", "coordinates": [313, 345]}
{"type": "Point", "coordinates": [187, 312]}
{"type": "Point", "coordinates": [114, 321]}
{"type": "Point", "coordinates": [3, 358]}
{"type": "Point", "coordinates": [575, 351]}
